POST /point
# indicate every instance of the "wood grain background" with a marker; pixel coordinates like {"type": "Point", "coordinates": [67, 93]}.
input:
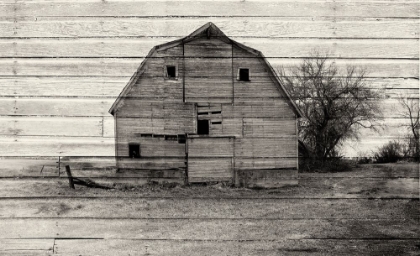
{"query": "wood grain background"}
{"type": "Point", "coordinates": [63, 63]}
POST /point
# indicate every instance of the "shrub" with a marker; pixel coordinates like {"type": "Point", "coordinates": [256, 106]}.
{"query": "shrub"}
{"type": "Point", "coordinates": [364, 160]}
{"type": "Point", "coordinates": [332, 164]}
{"type": "Point", "coordinates": [389, 153]}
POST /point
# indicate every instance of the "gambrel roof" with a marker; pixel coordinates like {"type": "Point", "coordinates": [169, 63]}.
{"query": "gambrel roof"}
{"type": "Point", "coordinates": [207, 30]}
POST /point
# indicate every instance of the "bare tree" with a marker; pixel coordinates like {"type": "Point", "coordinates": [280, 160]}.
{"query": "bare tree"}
{"type": "Point", "coordinates": [411, 112]}
{"type": "Point", "coordinates": [335, 103]}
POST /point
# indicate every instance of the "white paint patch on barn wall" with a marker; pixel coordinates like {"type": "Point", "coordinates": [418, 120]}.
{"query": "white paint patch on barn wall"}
{"type": "Point", "coordinates": [63, 63]}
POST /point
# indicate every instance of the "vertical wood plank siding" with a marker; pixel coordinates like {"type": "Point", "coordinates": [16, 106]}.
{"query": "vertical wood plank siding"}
{"type": "Point", "coordinates": [149, 110]}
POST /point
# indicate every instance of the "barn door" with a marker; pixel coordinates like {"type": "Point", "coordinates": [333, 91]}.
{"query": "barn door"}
{"type": "Point", "coordinates": [210, 158]}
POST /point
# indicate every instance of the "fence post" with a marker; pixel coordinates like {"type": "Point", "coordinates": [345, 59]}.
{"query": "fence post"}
{"type": "Point", "coordinates": [59, 166]}
{"type": "Point", "coordinates": [70, 176]}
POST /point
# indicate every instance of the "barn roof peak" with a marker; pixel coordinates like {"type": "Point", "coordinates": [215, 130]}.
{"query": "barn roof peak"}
{"type": "Point", "coordinates": [208, 30]}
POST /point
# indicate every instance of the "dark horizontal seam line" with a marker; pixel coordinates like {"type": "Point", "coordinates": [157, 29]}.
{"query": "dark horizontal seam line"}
{"type": "Point", "coordinates": [24, 250]}
{"type": "Point", "coordinates": [56, 176]}
{"type": "Point", "coordinates": [150, 157]}
{"type": "Point", "coordinates": [56, 238]}
{"type": "Point", "coordinates": [358, 177]}
{"type": "Point", "coordinates": [52, 135]}
{"type": "Point", "coordinates": [51, 177]}
{"type": "Point", "coordinates": [185, 198]}
{"type": "Point", "coordinates": [230, 36]}
{"type": "Point", "coordinates": [218, 240]}
{"type": "Point", "coordinates": [227, 117]}
{"type": "Point", "coordinates": [30, 76]}
{"type": "Point", "coordinates": [151, 98]}
{"type": "Point", "coordinates": [130, 75]}
{"type": "Point", "coordinates": [204, 57]}
{"type": "Point", "coordinates": [155, 98]}
{"type": "Point", "coordinates": [214, 16]}
{"type": "Point", "coordinates": [35, 115]}
{"type": "Point", "coordinates": [175, 198]}
{"type": "Point", "coordinates": [106, 76]}
{"type": "Point", "coordinates": [201, 218]}
{"type": "Point", "coordinates": [175, 37]}
{"type": "Point", "coordinates": [211, 198]}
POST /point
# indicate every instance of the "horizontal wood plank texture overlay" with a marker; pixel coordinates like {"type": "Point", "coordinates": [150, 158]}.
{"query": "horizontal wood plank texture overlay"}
{"type": "Point", "coordinates": [64, 63]}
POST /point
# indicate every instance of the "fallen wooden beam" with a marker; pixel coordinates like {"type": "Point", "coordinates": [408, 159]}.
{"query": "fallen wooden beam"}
{"type": "Point", "coordinates": [87, 183]}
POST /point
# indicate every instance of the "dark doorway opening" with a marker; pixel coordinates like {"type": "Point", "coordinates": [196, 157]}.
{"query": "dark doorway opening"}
{"type": "Point", "coordinates": [203, 127]}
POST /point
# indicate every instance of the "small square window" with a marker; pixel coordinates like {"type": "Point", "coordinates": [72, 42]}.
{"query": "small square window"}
{"type": "Point", "coordinates": [181, 139]}
{"type": "Point", "coordinates": [203, 127]}
{"type": "Point", "coordinates": [243, 74]}
{"type": "Point", "coordinates": [134, 150]}
{"type": "Point", "coordinates": [170, 71]}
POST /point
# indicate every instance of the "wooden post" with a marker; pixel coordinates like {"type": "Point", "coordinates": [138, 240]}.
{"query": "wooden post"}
{"type": "Point", "coordinates": [59, 166]}
{"type": "Point", "coordinates": [186, 160]}
{"type": "Point", "coordinates": [70, 176]}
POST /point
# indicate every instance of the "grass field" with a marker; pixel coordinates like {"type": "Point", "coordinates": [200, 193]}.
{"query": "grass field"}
{"type": "Point", "coordinates": [372, 210]}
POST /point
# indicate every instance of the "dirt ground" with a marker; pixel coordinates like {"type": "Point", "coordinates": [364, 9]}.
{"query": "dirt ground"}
{"type": "Point", "coordinates": [372, 210]}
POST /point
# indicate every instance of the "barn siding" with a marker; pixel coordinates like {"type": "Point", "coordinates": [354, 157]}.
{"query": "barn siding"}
{"type": "Point", "coordinates": [260, 123]}
{"type": "Point", "coordinates": [208, 74]}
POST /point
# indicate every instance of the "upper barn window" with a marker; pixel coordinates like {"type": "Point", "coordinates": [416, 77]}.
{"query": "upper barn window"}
{"type": "Point", "coordinates": [134, 150]}
{"type": "Point", "coordinates": [243, 74]}
{"type": "Point", "coordinates": [170, 71]}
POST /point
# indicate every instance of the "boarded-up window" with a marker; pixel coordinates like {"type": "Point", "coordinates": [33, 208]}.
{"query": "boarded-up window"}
{"type": "Point", "coordinates": [171, 137]}
{"type": "Point", "coordinates": [202, 127]}
{"type": "Point", "coordinates": [243, 74]}
{"type": "Point", "coordinates": [134, 150]}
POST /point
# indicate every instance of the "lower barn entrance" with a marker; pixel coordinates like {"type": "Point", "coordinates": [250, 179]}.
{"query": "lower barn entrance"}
{"type": "Point", "coordinates": [210, 158]}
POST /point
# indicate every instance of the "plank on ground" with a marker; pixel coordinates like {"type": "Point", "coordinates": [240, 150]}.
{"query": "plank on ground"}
{"type": "Point", "coordinates": [212, 229]}
{"type": "Point", "coordinates": [207, 208]}
{"type": "Point", "coordinates": [309, 27]}
{"type": "Point", "coordinates": [278, 247]}
{"type": "Point", "coordinates": [218, 8]}
{"type": "Point", "coordinates": [271, 47]}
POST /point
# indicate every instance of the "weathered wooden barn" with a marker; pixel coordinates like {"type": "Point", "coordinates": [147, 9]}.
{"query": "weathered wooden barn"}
{"type": "Point", "coordinates": [209, 108]}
